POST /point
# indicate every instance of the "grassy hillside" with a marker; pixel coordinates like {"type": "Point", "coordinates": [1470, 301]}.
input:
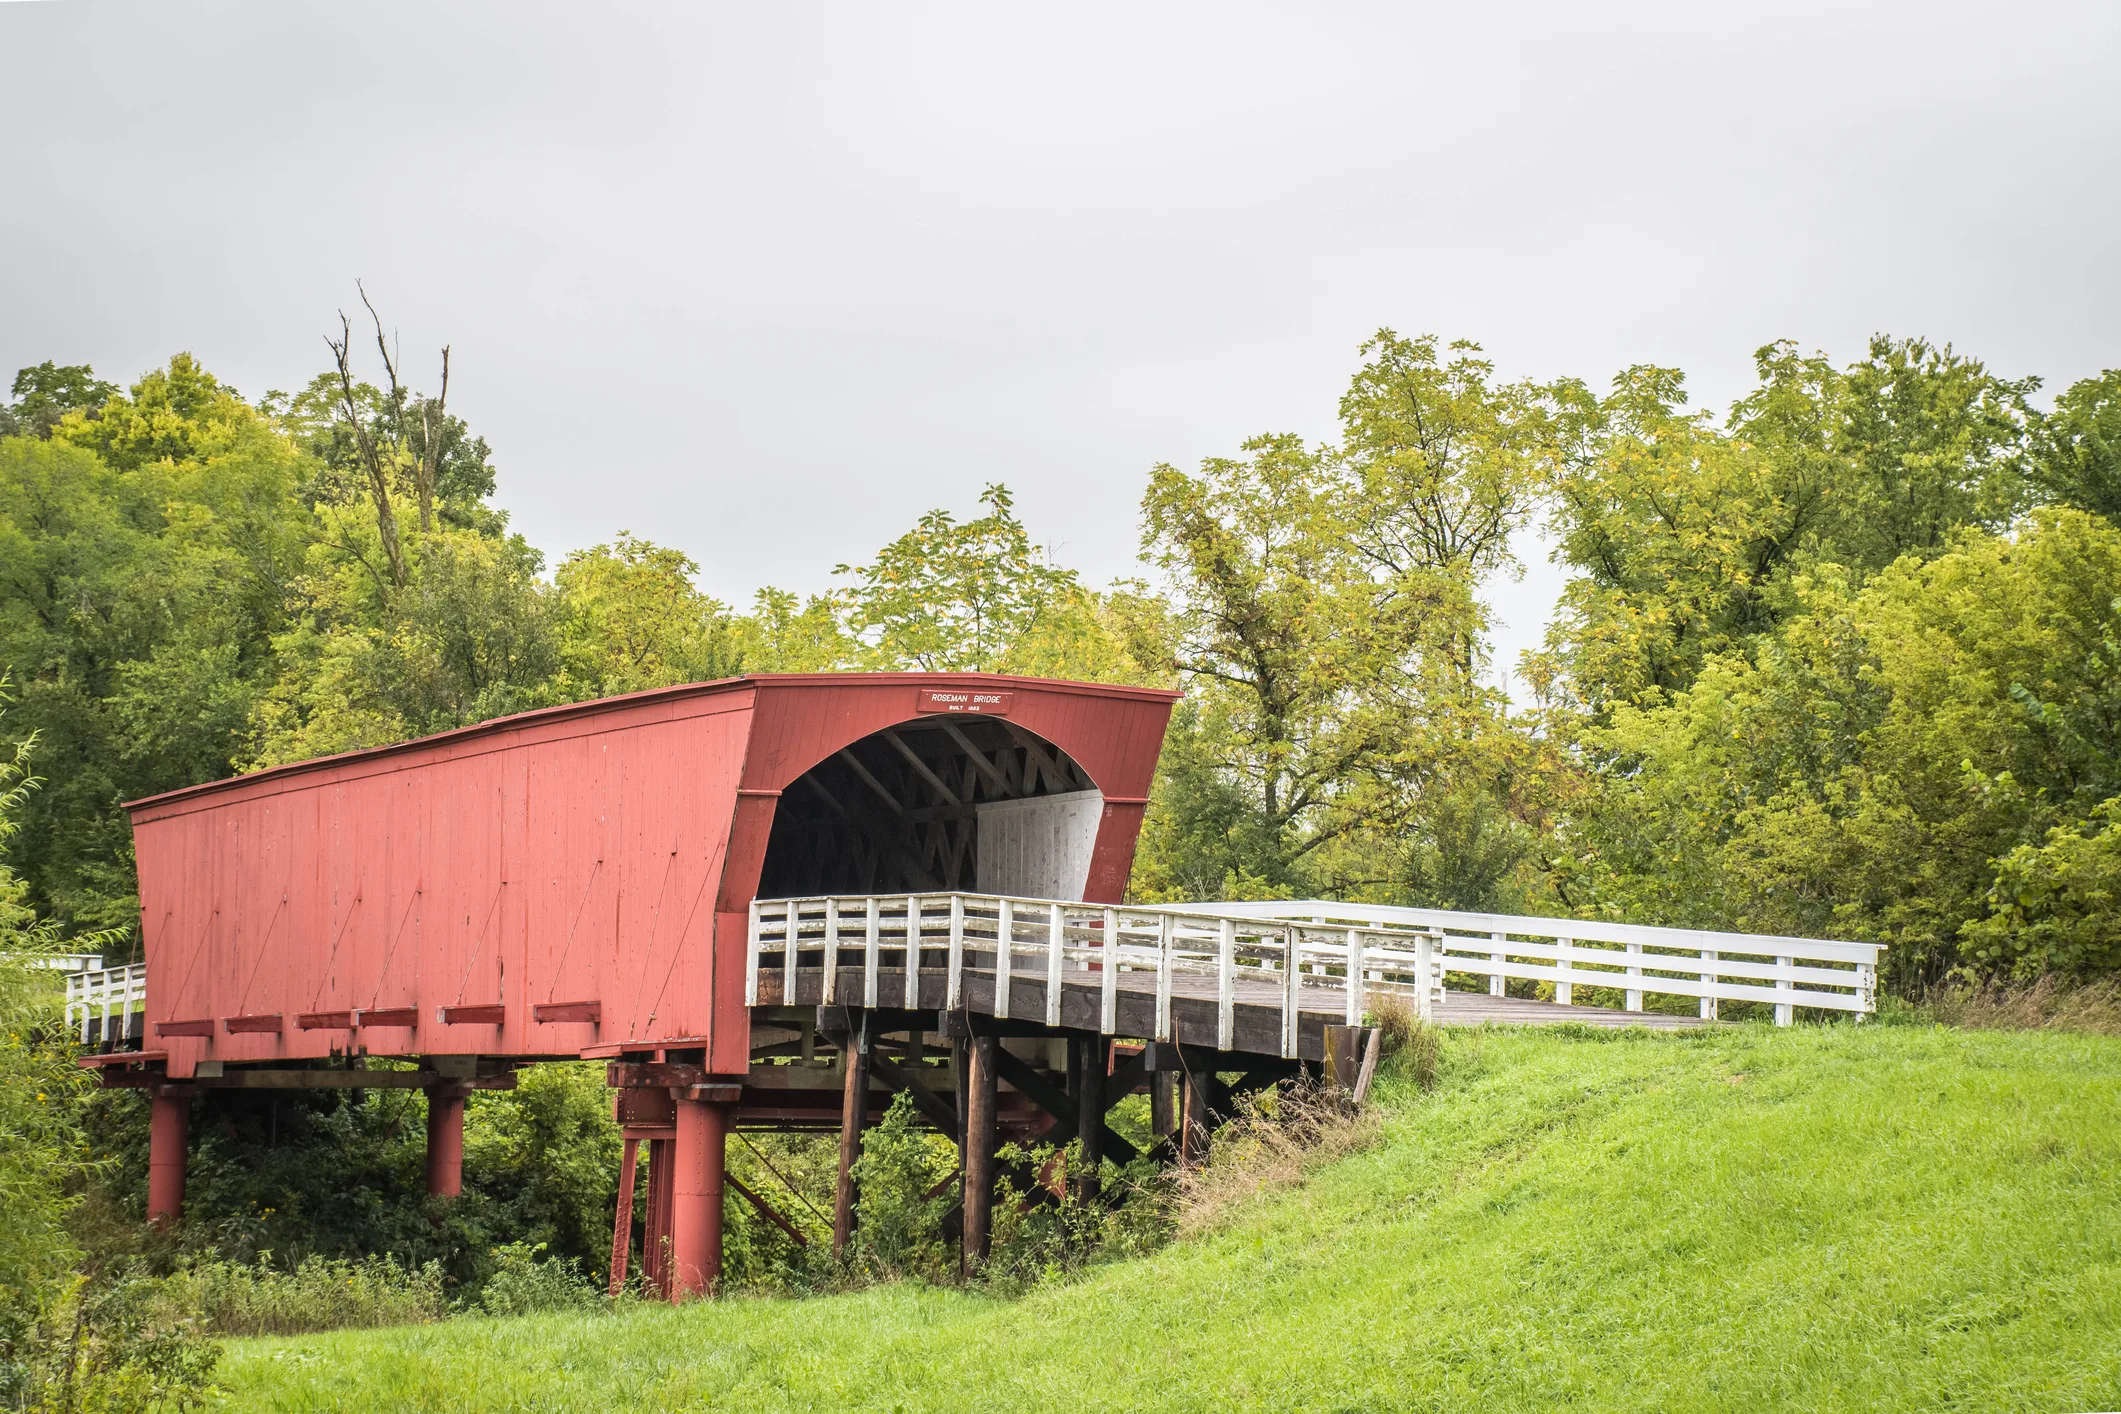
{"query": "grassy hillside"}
{"type": "Point", "coordinates": [1854, 1218]}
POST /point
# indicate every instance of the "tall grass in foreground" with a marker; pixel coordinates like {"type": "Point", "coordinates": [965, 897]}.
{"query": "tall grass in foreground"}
{"type": "Point", "coordinates": [1876, 1217]}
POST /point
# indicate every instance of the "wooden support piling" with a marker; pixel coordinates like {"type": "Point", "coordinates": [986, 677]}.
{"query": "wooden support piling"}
{"type": "Point", "coordinates": [1163, 1104]}
{"type": "Point", "coordinates": [1090, 1064]}
{"type": "Point", "coordinates": [979, 1151]}
{"type": "Point", "coordinates": [854, 1109]}
{"type": "Point", "coordinates": [1193, 1124]}
{"type": "Point", "coordinates": [1343, 1057]}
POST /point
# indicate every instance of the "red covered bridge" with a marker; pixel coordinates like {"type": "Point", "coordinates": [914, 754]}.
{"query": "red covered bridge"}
{"type": "Point", "coordinates": [776, 902]}
{"type": "Point", "coordinates": [575, 882]}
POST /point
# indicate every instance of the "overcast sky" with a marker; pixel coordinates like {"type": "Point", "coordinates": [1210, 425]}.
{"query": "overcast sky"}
{"type": "Point", "coordinates": [765, 282]}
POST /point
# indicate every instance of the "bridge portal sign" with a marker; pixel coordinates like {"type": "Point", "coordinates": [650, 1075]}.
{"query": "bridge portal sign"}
{"type": "Point", "coordinates": [945, 699]}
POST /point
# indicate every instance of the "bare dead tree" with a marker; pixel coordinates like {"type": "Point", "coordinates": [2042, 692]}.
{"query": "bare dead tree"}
{"type": "Point", "coordinates": [383, 443]}
{"type": "Point", "coordinates": [372, 455]}
{"type": "Point", "coordinates": [426, 460]}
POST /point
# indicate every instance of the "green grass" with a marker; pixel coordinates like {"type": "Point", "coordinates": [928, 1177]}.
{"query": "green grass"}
{"type": "Point", "coordinates": [1846, 1218]}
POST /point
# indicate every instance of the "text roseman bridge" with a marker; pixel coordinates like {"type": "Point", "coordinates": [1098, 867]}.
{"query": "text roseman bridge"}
{"type": "Point", "coordinates": [775, 902]}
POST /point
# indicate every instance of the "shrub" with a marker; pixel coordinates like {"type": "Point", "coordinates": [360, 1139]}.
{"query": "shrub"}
{"type": "Point", "coordinates": [318, 1294]}
{"type": "Point", "coordinates": [523, 1283]}
{"type": "Point", "coordinates": [1043, 1231]}
{"type": "Point", "coordinates": [116, 1345]}
{"type": "Point", "coordinates": [1409, 1043]}
{"type": "Point", "coordinates": [903, 1177]}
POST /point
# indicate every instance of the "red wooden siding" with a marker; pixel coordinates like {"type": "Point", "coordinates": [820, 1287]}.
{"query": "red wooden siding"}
{"type": "Point", "coordinates": [604, 852]}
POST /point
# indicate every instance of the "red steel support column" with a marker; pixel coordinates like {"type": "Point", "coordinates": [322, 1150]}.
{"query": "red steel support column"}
{"type": "Point", "coordinates": [445, 1141]}
{"type": "Point", "coordinates": [696, 1198]}
{"type": "Point", "coordinates": [655, 1234]}
{"type": "Point", "coordinates": [168, 1136]}
{"type": "Point", "coordinates": [622, 1218]}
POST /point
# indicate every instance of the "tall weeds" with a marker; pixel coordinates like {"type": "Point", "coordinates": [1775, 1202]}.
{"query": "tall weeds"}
{"type": "Point", "coordinates": [322, 1293]}
{"type": "Point", "coordinates": [1279, 1139]}
{"type": "Point", "coordinates": [2046, 1005]}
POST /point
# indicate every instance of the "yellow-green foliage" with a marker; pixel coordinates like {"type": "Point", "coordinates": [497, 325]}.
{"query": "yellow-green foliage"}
{"type": "Point", "coordinates": [1860, 771]}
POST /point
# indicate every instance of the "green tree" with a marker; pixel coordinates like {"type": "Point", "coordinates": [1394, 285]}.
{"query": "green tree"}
{"type": "Point", "coordinates": [1444, 465]}
{"type": "Point", "coordinates": [787, 634]}
{"type": "Point", "coordinates": [473, 634]}
{"type": "Point", "coordinates": [632, 619]}
{"type": "Point", "coordinates": [1294, 655]}
{"type": "Point", "coordinates": [1685, 536]}
{"type": "Point", "coordinates": [1862, 771]}
{"type": "Point", "coordinates": [44, 395]}
{"type": "Point", "coordinates": [1326, 619]}
{"type": "Point", "coordinates": [138, 602]}
{"type": "Point", "coordinates": [2078, 458]}
{"type": "Point", "coordinates": [41, 1149]}
{"type": "Point", "coordinates": [951, 596]}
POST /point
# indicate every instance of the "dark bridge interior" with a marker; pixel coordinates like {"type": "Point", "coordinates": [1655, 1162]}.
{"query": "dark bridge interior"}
{"type": "Point", "coordinates": [897, 812]}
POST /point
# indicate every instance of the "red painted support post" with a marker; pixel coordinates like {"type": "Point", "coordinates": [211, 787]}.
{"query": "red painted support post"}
{"type": "Point", "coordinates": [696, 1198]}
{"type": "Point", "coordinates": [655, 1233]}
{"type": "Point", "coordinates": [445, 1141]}
{"type": "Point", "coordinates": [168, 1137]}
{"type": "Point", "coordinates": [622, 1219]}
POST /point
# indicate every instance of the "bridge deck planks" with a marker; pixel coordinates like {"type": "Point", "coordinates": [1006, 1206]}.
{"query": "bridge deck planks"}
{"type": "Point", "coordinates": [1256, 1009]}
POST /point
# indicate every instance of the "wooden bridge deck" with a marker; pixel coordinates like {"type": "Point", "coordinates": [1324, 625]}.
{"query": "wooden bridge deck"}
{"type": "Point", "coordinates": [1257, 1005]}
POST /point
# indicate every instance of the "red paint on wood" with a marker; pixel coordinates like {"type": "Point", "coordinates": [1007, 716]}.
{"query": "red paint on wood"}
{"type": "Point", "coordinates": [119, 1060]}
{"type": "Point", "coordinates": [605, 849]}
{"type": "Point", "coordinates": [390, 1017]}
{"type": "Point", "coordinates": [236, 1025]}
{"type": "Point", "coordinates": [566, 1011]}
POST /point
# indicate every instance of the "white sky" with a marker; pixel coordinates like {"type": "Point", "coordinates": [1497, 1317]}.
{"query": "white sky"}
{"type": "Point", "coordinates": [765, 282]}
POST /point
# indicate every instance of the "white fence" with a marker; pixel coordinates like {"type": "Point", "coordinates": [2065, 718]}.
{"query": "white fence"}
{"type": "Point", "coordinates": [58, 961]}
{"type": "Point", "coordinates": [1284, 949]}
{"type": "Point", "coordinates": [1632, 959]}
{"type": "Point", "coordinates": [115, 992]}
{"type": "Point", "coordinates": [1260, 962]}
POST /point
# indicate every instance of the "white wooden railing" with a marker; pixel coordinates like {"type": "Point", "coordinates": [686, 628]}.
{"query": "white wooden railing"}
{"type": "Point", "coordinates": [114, 991]}
{"type": "Point", "coordinates": [1633, 959]}
{"type": "Point", "coordinates": [57, 961]}
{"type": "Point", "coordinates": [1291, 947]}
{"type": "Point", "coordinates": [1269, 961]}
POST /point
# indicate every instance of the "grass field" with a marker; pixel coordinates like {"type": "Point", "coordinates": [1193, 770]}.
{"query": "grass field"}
{"type": "Point", "coordinates": [1848, 1218]}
